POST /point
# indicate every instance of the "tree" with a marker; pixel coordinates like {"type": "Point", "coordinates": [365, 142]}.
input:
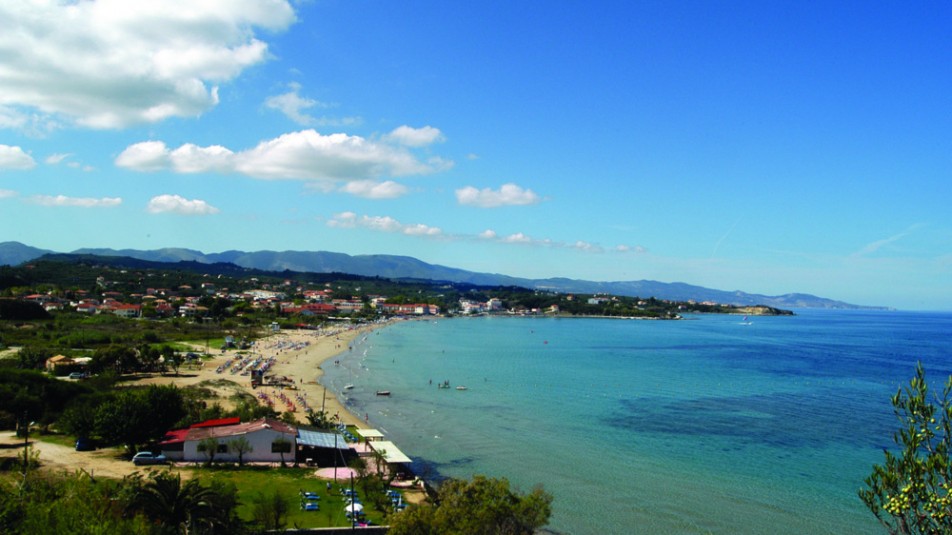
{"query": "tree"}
{"type": "Point", "coordinates": [270, 511]}
{"type": "Point", "coordinates": [134, 417]}
{"type": "Point", "coordinates": [483, 505]}
{"type": "Point", "coordinates": [185, 507]}
{"type": "Point", "coordinates": [240, 446]}
{"type": "Point", "coordinates": [911, 492]}
{"type": "Point", "coordinates": [319, 419]}
{"type": "Point", "coordinates": [209, 447]}
{"type": "Point", "coordinates": [281, 445]}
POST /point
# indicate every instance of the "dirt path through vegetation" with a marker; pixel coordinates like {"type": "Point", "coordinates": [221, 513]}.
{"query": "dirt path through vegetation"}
{"type": "Point", "coordinates": [59, 458]}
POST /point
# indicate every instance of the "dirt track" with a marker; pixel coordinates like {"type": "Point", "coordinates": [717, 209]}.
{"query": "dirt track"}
{"type": "Point", "coordinates": [57, 458]}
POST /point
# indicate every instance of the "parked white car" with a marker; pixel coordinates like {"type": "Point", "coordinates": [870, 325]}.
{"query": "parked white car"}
{"type": "Point", "coordinates": [147, 457]}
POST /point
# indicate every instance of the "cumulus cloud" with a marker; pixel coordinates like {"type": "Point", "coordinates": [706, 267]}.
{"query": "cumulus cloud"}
{"type": "Point", "coordinates": [303, 155]}
{"type": "Point", "coordinates": [191, 158]}
{"type": "Point", "coordinates": [586, 246]}
{"type": "Point", "coordinates": [80, 202]}
{"type": "Point", "coordinates": [518, 237]}
{"type": "Point", "coordinates": [507, 195]}
{"type": "Point", "coordinates": [54, 159]}
{"type": "Point", "coordinates": [351, 220]}
{"type": "Point", "coordinates": [14, 158]}
{"type": "Point", "coordinates": [7, 193]}
{"type": "Point", "coordinates": [145, 156]}
{"type": "Point", "coordinates": [382, 224]}
{"type": "Point", "coordinates": [295, 107]}
{"type": "Point", "coordinates": [115, 63]}
{"type": "Point", "coordinates": [343, 220]}
{"type": "Point", "coordinates": [371, 189]}
{"type": "Point", "coordinates": [177, 204]}
{"type": "Point", "coordinates": [414, 137]}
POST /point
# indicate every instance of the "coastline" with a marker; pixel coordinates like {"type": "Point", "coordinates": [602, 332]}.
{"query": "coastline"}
{"type": "Point", "coordinates": [303, 366]}
{"type": "Point", "coordinates": [298, 355]}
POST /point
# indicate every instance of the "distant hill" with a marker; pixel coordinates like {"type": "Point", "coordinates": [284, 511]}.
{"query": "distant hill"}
{"type": "Point", "coordinates": [14, 253]}
{"type": "Point", "coordinates": [405, 267]}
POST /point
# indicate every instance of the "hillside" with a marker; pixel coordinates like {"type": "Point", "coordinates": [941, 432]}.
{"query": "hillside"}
{"type": "Point", "coordinates": [405, 267]}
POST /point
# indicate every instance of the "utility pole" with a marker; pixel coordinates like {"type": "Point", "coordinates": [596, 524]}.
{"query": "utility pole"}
{"type": "Point", "coordinates": [26, 442]}
{"type": "Point", "coordinates": [353, 513]}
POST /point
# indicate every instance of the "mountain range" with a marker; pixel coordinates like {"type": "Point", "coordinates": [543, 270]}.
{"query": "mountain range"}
{"type": "Point", "coordinates": [405, 267]}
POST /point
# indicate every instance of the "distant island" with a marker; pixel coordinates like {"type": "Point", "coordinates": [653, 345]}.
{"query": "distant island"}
{"type": "Point", "coordinates": [405, 268]}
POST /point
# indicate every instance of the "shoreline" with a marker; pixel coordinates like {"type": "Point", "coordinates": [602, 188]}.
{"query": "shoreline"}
{"type": "Point", "coordinates": [303, 365]}
{"type": "Point", "coordinates": [298, 355]}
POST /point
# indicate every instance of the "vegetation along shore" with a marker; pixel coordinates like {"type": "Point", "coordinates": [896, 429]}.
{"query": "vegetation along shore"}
{"type": "Point", "coordinates": [215, 370]}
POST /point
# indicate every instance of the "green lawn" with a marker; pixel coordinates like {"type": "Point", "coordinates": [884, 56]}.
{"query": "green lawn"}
{"type": "Point", "coordinates": [253, 482]}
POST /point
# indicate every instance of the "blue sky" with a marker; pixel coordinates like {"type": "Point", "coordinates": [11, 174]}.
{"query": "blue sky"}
{"type": "Point", "coordinates": [761, 146]}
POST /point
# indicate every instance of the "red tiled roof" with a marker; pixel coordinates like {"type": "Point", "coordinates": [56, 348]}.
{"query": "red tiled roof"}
{"type": "Point", "coordinates": [174, 436]}
{"type": "Point", "coordinates": [240, 429]}
{"type": "Point", "coordinates": [216, 422]}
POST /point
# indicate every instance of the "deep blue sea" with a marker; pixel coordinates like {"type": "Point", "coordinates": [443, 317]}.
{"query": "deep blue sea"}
{"type": "Point", "coordinates": [704, 425]}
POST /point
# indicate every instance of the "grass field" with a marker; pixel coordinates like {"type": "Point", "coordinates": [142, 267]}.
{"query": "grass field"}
{"type": "Point", "coordinates": [255, 484]}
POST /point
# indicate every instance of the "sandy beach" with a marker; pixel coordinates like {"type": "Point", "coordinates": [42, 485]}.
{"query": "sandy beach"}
{"type": "Point", "coordinates": [297, 354]}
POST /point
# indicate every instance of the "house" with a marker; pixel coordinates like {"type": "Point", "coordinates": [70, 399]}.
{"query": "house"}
{"type": "Point", "coordinates": [269, 441]}
{"type": "Point", "coordinates": [310, 309]}
{"type": "Point", "coordinates": [59, 360]}
{"type": "Point", "coordinates": [127, 311]}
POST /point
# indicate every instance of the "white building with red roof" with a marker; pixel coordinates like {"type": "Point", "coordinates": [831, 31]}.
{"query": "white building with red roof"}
{"type": "Point", "coordinates": [267, 437]}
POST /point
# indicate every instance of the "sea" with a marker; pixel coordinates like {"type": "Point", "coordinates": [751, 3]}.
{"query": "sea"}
{"type": "Point", "coordinates": [709, 424]}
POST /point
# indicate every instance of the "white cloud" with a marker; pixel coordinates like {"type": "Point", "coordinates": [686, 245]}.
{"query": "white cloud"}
{"type": "Point", "coordinates": [295, 107]}
{"type": "Point", "coordinates": [371, 189]}
{"type": "Point", "coordinates": [630, 249]}
{"type": "Point", "coordinates": [145, 156]}
{"type": "Point", "coordinates": [115, 63]}
{"type": "Point", "coordinates": [875, 246]}
{"type": "Point", "coordinates": [7, 193]}
{"type": "Point", "coordinates": [179, 205]}
{"type": "Point", "coordinates": [586, 246]}
{"type": "Point", "coordinates": [10, 118]}
{"type": "Point", "coordinates": [414, 137]}
{"type": "Point", "coordinates": [191, 158]}
{"type": "Point", "coordinates": [343, 220]}
{"type": "Point", "coordinates": [518, 237]}
{"type": "Point", "coordinates": [382, 224]}
{"type": "Point", "coordinates": [54, 159]}
{"type": "Point", "coordinates": [420, 229]}
{"type": "Point", "coordinates": [303, 155]}
{"type": "Point", "coordinates": [350, 220]}
{"type": "Point", "coordinates": [14, 158]}
{"type": "Point", "coordinates": [507, 195]}
{"type": "Point", "coordinates": [80, 202]}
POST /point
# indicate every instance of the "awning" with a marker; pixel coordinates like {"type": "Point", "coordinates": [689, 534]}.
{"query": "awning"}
{"type": "Point", "coordinates": [391, 452]}
{"type": "Point", "coordinates": [318, 439]}
{"type": "Point", "coordinates": [370, 434]}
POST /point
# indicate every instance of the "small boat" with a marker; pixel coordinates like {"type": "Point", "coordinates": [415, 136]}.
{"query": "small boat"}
{"type": "Point", "coordinates": [461, 387]}
{"type": "Point", "coordinates": [348, 387]}
{"type": "Point", "coordinates": [383, 392]}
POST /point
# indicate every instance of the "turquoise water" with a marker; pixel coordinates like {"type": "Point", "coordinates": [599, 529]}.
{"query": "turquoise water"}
{"type": "Point", "coordinates": [698, 426]}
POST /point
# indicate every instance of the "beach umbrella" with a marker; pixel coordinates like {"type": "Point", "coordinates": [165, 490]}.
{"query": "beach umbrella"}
{"type": "Point", "coordinates": [353, 507]}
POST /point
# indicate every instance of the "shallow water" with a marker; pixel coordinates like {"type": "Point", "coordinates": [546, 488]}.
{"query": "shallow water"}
{"type": "Point", "coordinates": [695, 426]}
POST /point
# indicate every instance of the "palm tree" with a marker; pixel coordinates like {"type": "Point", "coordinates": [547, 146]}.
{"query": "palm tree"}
{"type": "Point", "coordinates": [165, 500]}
